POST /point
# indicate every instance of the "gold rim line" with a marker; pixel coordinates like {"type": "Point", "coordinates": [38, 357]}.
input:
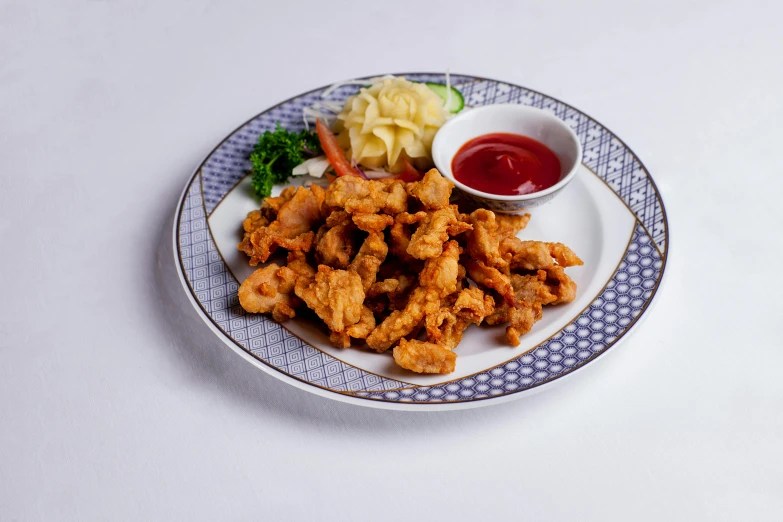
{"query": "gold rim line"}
{"type": "Point", "coordinates": [473, 78]}
{"type": "Point", "coordinates": [228, 269]}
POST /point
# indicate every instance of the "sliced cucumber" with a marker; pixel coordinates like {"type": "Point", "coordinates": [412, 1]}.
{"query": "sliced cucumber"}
{"type": "Point", "coordinates": [455, 104]}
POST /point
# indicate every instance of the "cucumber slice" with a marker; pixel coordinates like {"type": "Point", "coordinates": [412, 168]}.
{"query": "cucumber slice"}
{"type": "Point", "coordinates": [456, 103]}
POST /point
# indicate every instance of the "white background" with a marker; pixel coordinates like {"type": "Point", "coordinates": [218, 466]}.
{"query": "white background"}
{"type": "Point", "coordinates": [116, 401]}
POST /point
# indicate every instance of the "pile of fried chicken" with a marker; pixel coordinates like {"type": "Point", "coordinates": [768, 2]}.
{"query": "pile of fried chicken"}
{"type": "Point", "coordinates": [394, 264]}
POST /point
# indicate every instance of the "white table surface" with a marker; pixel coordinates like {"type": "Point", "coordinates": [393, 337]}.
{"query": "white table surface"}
{"type": "Point", "coordinates": [116, 401]}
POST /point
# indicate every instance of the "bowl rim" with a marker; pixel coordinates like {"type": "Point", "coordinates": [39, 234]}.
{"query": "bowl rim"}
{"type": "Point", "coordinates": [510, 107]}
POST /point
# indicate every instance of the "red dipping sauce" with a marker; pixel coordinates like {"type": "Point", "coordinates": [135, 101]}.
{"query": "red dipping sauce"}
{"type": "Point", "coordinates": [506, 164]}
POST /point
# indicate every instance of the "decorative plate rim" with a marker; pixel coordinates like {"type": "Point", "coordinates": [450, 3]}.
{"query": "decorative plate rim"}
{"type": "Point", "coordinates": [366, 398]}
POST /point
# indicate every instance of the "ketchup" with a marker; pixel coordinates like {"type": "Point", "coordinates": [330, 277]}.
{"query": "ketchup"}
{"type": "Point", "coordinates": [506, 164]}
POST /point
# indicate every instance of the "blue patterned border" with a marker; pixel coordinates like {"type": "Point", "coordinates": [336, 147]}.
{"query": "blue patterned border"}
{"type": "Point", "coordinates": [624, 299]}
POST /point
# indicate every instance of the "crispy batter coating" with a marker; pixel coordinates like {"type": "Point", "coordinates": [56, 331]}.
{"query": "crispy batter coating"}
{"type": "Point", "coordinates": [436, 281]}
{"type": "Point", "coordinates": [423, 357]}
{"type": "Point", "coordinates": [359, 330]}
{"type": "Point", "coordinates": [356, 195]}
{"type": "Point", "coordinates": [533, 292]}
{"type": "Point", "coordinates": [536, 255]}
{"type": "Point", "coordinates": [290, 230]}
{"type": "Point", "coordinates": [383, 287]}
{"type": "Point", "coordinates": [473, 304]}
{"type": "Point", "coordinates": [441, 273]}
{"type": "Point", "coordinates": [396, 290]}
{"type": "Point", "coordinates": [399, 239]}
{"type": "Point", "coordinates": [265, 291]}
{"type": "Point", "coordinates": [446, 326]}
{"type": "Point", "coordinates": [510, 225]}
{"type": "Point", "coordinates": [368, 261]}
{"type": "Point", "coordinates": [372, 222]}
{"type": "Point", "coordinates": [483, 240]}
{"type": "Point", "coordinates": [335, 295]}
{"type": "Point", "coordinates": [491, 277]}
{"type": "Point", "coordinates": [334, 247]}
{"type": "Point", "coordinates": [272, 205]}
{"type": "Point", "coordinates": [297, 261]}
{"type": "Point", "coordinates": [254, 220]}
{"type": "Point", "coordinates": [337, 217]}
{"type": "Point", "coordinates": [562, 286]}
{"type": "Point", "coordinates": [434, 230]}
{"type": "Point", "coordinates": [433, 190]}
{"type": "Point", "coordinates": [364, 327]}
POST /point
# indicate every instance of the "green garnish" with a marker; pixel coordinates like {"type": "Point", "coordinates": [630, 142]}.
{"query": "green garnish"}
{"type": "Point", "coordinates": [453, 101]}
{"type": "Point", "coordinates": [277, 153]}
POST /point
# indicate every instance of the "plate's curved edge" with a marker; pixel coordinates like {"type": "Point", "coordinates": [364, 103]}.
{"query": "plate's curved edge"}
{"type": "Point", "coordinates": [349, 397]}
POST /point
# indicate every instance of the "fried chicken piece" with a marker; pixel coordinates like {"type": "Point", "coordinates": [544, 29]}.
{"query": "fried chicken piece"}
{"type": "Point", "coordinates": [337, 217]}
{"type": "Point", "coordinates": [489, 230]}
{"type": "Point", "coordinates": [536, 255]}
{"type": "Point", "coordinates": [521, 319]}
{"type": "Point", "coordinates": [335, 295]}
{"type": "Point", "coordinates": [509, 224]}
{"type": "Point", "coordinates": [297, 261]}
{"type": "Point", "coordinates": [340, 339]}
{"type": "Point", "coordinates": [383, 287]}
{"type": "Point", "coordinates": [441, 273]}
{"type": "Point", "coordinates": [272, 205]}
{"type": "Point", "coordinates": [499, 315]}
{"type": "Point", "coordinates": [254, 220]}
{"type": "Point", "coordinates": [533, 292]}
{"type": "Point", "coordinates": [423, 357]}
{"type": "Point", "coordinates": [399, 239]}
{"type": "Point", "coordinates": [402, 322]}
{"type": "Point", "coordinates": [357, 195]}
{"type": "Point", "coordinates": [483, 240]}
{"type": "Point", "coordinates": [491, 277]}
{"type": "Point", "coordinates": [371, 256]}
{"type": "Point", "coordinates": [398, 299]}
{"type": "Point", "coordinates": [290, 230]}
{"type": "Point", "coordinates": [562, 286]}
{"type": "Point", "coordinates": [407, 218]}
{"type": "Point", "coordinates": [446, 326]}
{"type": "Point", "coordinates": [433, 190]}
{"type": "Point", "coordinates": [473, 305]}
{"type": "Point", "coordinates": [268, 289]}
{"type": "Point", "coordinates": [436, 281]}
{"type": "Point", "coordinates": [434, 230]}
{"type": "Point", "coordinates": [359, 330]}
{"type": "Point", "coordinates": [395, 289]}
{"type": "Point", "coordinates": [334, 246]}
{"type": "Point", "coordinates": [372, 222]}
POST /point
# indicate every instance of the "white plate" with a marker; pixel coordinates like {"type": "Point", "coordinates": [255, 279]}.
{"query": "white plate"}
{"type": "Point", "coordinates": [611, 215]}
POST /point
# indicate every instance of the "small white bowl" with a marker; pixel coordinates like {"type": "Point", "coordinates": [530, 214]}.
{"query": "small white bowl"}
{"type": "Point", "coordinates": [513, 119]}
